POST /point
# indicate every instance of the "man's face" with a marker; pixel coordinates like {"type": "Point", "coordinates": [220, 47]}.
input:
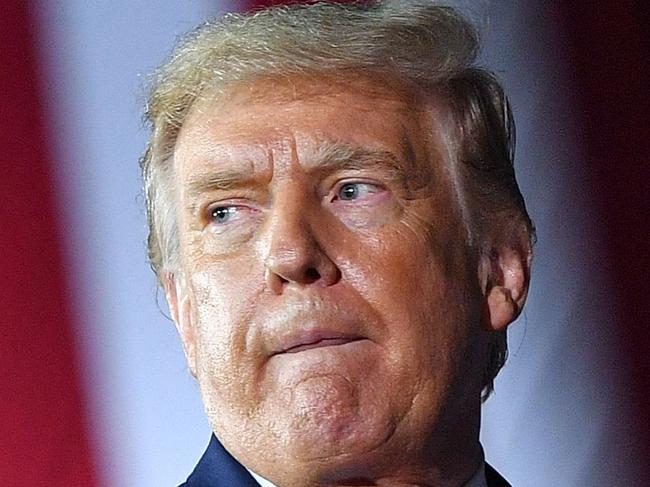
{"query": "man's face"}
{"type": "Point", "coordinates": [327, 300]}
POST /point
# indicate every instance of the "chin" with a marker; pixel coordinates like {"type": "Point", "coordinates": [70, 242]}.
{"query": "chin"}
{"type": "Point", "coordinates": [358, 451]}
{"type": "Point", "coordinates": [327, 418]}
{"type": "Point", "coordinates": [336, 437]}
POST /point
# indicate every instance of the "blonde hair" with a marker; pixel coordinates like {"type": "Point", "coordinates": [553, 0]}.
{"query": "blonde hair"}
{"type": "Point", "coordinates": [423, 44]}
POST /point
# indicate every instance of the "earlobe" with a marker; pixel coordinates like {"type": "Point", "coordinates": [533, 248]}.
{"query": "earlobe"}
{"type": "Point", "coordinates": [504, 279]}
{"type": "Point", "coordinates": [180, 307]}
{"type": "Point", "coordinates": [501, 308]}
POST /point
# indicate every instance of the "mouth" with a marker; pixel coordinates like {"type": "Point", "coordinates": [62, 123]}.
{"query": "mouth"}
{"type": "Point", "coordinates": [312, 341]}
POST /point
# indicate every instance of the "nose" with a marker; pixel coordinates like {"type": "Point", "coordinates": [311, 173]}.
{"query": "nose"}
{"type": "Point", "coordinates": [294, 255]}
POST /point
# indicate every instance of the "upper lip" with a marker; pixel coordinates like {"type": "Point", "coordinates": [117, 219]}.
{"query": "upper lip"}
{"type": "Point", "coordinates": [306, 321]}
{"type": "Point", "coordinates": [308, 339]}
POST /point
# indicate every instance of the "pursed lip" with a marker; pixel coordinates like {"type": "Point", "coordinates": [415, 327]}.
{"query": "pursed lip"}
{"type": "Point", "coordinates": [308, 340]}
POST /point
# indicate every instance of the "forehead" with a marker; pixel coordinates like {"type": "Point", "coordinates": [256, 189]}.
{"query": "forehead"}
{"type": "Point", "coordinates": [260, 116]}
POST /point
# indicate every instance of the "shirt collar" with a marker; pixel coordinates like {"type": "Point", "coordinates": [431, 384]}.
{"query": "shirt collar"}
{"type": "Point", "coordinates": [260, 480]}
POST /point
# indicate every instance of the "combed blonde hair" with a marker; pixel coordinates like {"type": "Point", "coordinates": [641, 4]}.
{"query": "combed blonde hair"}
{"type": "Point", "coordinates": [421, 43]}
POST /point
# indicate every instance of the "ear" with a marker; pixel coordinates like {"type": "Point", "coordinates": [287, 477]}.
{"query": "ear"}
{"type": "Point", "coordinates": [504, 277]}
{"type": "Point", "coordinates": [180, 307]}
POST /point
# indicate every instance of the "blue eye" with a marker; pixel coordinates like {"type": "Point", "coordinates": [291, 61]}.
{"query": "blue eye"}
{"type": "Point", "coordinates": [354, 191]}
{"type": "Point", "coordinates": [222, 214]}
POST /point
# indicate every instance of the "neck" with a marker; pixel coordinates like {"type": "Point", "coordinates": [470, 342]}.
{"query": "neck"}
{"type": "Point", "coordinates": [455, 469]}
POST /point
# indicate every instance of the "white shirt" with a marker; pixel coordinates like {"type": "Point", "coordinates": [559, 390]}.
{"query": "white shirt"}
{"type": "Point", "coordinates": [477, 480]}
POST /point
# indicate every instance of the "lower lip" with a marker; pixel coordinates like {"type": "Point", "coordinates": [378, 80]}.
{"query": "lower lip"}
{"type": "Point", "coordinates": [327, 342]}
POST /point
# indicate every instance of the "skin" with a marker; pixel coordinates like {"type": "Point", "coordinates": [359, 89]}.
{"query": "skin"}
{"type": "Point", "coordinates": [329, 306]}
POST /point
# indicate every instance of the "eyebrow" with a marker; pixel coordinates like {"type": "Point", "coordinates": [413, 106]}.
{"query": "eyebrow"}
{"type": "Point", "coordinates": [330, 157]}
{"type": "Point", "coordinates": [338, 156]}
{"type": "Point", "coordinates": [217, 180]}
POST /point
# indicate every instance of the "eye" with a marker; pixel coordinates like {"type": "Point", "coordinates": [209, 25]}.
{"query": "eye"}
{"type": "Point", "coordinates": [356, 191]}
{"type": "Point", "coordinates": [227, 216]}
{"type": "Point", "coordinates": [222, 214]}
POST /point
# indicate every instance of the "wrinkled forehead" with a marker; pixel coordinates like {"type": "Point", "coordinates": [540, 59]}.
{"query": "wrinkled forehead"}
{"type": "Point", "coordinates": [380, 114]}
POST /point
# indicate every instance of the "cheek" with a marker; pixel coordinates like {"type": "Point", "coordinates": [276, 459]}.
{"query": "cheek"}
{"type": "Point", "coordinates": [417, 278]}
{"type": "Point", "coordinates": [222, 312]}
{"type": "Point", "coordinates": [418, 262]}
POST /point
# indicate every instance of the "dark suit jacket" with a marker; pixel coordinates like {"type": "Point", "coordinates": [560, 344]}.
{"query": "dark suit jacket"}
{"type": "Point", "coordinates": [217, 468]}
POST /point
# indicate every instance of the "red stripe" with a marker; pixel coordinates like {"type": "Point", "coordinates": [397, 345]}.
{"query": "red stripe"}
{"type": "Point", "coordinates": [42, 439]}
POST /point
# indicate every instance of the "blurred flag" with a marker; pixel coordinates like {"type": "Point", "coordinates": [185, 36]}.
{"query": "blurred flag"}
{"type": "Point", "coordinates": [95, 392]}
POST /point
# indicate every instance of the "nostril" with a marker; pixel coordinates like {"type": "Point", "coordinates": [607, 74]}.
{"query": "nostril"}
{"type": "Point", "coordinates": [312, 274]}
